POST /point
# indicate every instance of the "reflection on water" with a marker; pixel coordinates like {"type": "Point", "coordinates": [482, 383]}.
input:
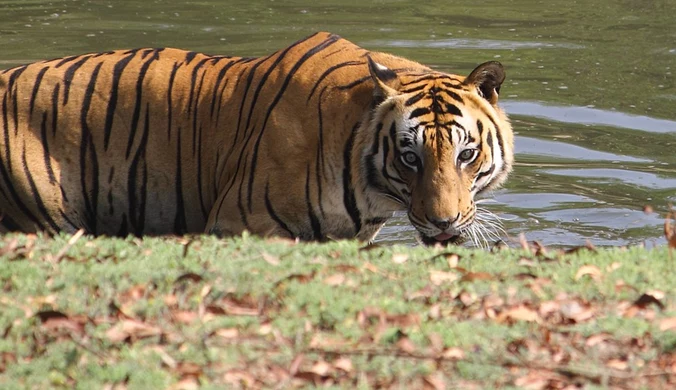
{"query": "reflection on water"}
{"type": "Point", "coordinates": [590, 85]}
{"type": "Point", "coordinates": [458, 43]}
{"type": "Point", "coordinates": [559, 148]}
{"type": "Point", "coordinates": [590, 116]}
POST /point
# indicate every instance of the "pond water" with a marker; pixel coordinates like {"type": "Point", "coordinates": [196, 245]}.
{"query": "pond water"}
{"type": "Point", "coordinates": [590, 86]}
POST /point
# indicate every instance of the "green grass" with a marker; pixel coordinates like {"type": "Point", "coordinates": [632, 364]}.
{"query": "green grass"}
{"type": "Point", "coordinates": [252, 313]}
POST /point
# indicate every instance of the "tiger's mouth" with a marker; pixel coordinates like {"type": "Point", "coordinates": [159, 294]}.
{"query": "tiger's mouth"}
{"type": "Point", "coordinates": [443, 239]}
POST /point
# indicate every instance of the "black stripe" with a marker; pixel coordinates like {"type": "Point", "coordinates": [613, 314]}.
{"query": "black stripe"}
{"type": "Point", "coordinates": [501, 145]}
{"type": "Point", "coordinates": [314, 221]}
{"type": "Point", "coordinates": [36, 194]}
{"type": "Point", "coordinates": [414, 89]}
{"type": "Point", "coordinates": [170, 104]}
{"type": "Point", "coordinates": [273, 214]}
{"type": "Point", "coordinates": [45, 146]}
{"type": "Point", "coordinates": [249, 80]}
{"type": "Point", "coordinates": [193, 82]}
{"type": "Point", "coordinates": [384, 172]}
{"type": "Point", "coordinates": [137, 105]}
{"type": "Point", "coordinates": [91, 198]}
{"type": "Point", "coordinates": [8, 223]}
{"type": "Point", "coordinates": [63, 193]}
{"type": "Point", "coordinates": [222, 91]}
{"type": "Point", "coordinates": [189, 57]}
{"type": "Point", "coordinates": [200, 189]}
{"type": "Point", "coordinates": [64, 217]}
{"type": "Point", "coordinates": [180, 226]}
{"type": "Point", "coordinates": [453, 95]}
{"type": "Point", "coordinates": [451, 85]}
{"type": "Point", "coordinates": [5, 126]}
{"type": "Point", "coordinates": [489, 142]}
{"type": "Point", "coordinates": [195, 113]}
{"type": "Point", "coordinates": [112, 101]}
{"type": "Point", "coordinates": [420, 111]}
{"type": "Point", "coordinates": [66, 60]}
{"type": "Point", "coordinates": [17, 199]}
{"type": "Point", "coordinates": [353, 83]}
{"type": "Point", "coordinates": [219, 80]}
{"type": "Point", "coordinates": [414, 99]}
{"type": "Point", "coordinates": [453, 109]}
{"type": "Point", "coordinates": [15, 75]}
{"type": "Point", "coordinates": [321, 161]}
{"type": "Point", "coordinates": [349, 199]}
{"type": "Point", "coordinates": [137, 206]}
{"type": "Point", "coordinates": [111, 174]}
{"type": "Point", "coordinates": [68, 77]}
{"type": "Point", "coordinates": [329, 71]}
{"type": "Point", "coordinates": [123, 231]}
{"type": "Point", "coordinates": [240, 206]}
{"type": "Point", "coordinates": [55, 109]}
{"type": "Point", "coordinates": [421, 78]}
{"type": "Point", "coordinates": [36, 88]}
{"type": "Point", "coordinates": [254, 160]}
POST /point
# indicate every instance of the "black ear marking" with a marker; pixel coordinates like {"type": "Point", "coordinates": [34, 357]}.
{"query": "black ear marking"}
{"type": "Point", "coordinates": [385, 80]}
{"type": "Point", "coordinates": [487, 77]}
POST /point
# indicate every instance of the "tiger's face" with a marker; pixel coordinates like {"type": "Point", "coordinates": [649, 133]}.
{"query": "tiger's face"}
{"type": "Point", "coordinates": [440, 140]}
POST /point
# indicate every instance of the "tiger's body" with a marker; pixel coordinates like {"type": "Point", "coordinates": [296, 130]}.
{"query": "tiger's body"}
{"type": "Point", "coordinates": [164, 141]}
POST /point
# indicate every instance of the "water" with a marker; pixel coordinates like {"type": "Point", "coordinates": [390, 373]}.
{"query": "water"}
{"type": "Point", "coordinates": [590, 85]}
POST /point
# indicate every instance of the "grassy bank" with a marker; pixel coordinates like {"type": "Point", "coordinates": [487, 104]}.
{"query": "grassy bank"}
{"type": "Point", "coordinates": [251, 313]}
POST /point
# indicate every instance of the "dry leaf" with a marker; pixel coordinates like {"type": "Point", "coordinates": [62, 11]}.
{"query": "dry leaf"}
{"type": "Point", "coordinates": [321, 368]}
{"type": "Point", "coordinates": [399, 258]}
{"type": "Point", "coordinates": [335, 280]}
{"type": "Point", "coordinates": [270, 259]}
{"type": "Point", "coordinates": [597, 339]}
{"type": "Point", "coordinates": [617, 364]}
{"type": "Point", "coordinates": [454, 353]}
{"type": "Point", "coordinates": [519, 313]}
{"type": "Point", "coordinates": [240, 379]}
{"type": "Point", "coordinates": [435, 381]}
{"type": "Point", "coordinates": [184, 316]}
{"type": "Point", "coordinates": [440, 277]}
{"type": "Point", "coordinates": [227, 333]}
{"type": "Point", "coordinates": [575, 311]}
{"type": "Point", "coordinates": [187, 383]}
{"type": "Point", "coordinates": [134, 329]}
{"type": "Point", "coordinates": [405, 344]}
{"type": "Point", "coordinates": [55, 320]}
{"type": "Point", "coordinates": [588, 270]}
{"type": "Point", "coordinates": [616, 265]}
{"type": "Point", "coordinates": [668, 324]}
{"type": "Point", "coordinates": [473, 276]}
{"type": "Point", "coordinates": [344, 364]}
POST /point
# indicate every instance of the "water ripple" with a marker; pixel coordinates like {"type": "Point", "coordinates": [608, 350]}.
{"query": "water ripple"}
{"type": "Point", "coordinates": [590, 116]}
{"type": "Point", "coordinates": [460, 43]}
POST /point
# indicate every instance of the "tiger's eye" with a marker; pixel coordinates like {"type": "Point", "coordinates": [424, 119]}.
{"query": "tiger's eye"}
{"type": "Point", "coordinates": [467, 155]}
{"type": "Point", "coordinates": [410, 158]}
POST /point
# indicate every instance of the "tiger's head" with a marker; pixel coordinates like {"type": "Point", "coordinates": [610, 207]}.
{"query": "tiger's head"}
{"type": "Point", "coordinates": [439, 140]}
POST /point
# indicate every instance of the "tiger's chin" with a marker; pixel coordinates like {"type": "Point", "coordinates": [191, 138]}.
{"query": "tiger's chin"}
{"type": "Point", "coordinates": [443, 239]}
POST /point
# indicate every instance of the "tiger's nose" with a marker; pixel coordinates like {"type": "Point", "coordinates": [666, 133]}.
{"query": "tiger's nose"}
{"type": "Point", "coordinates": [442, 224]}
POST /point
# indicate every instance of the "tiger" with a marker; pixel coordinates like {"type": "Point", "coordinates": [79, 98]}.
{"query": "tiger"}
{"type": "Point", "coordinates": [321, 140]}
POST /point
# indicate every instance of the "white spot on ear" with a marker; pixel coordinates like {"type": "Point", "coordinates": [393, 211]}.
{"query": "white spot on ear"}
{"type": "Point", "coordinates": [381, 67]}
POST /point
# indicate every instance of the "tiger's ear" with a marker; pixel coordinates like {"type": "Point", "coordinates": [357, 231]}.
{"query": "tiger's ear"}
{"type": "Point", "coordinates": [487, 78]}
{"type": "Point", "coordinates": [385, 79]}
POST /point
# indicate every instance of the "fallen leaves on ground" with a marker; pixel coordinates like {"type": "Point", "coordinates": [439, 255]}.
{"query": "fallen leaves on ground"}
{"type": "Point", "coordinates": [204, 330]}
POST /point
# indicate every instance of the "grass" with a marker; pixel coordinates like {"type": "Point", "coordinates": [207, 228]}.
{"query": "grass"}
{"type": "Point", "coordinates": [252, 313]}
